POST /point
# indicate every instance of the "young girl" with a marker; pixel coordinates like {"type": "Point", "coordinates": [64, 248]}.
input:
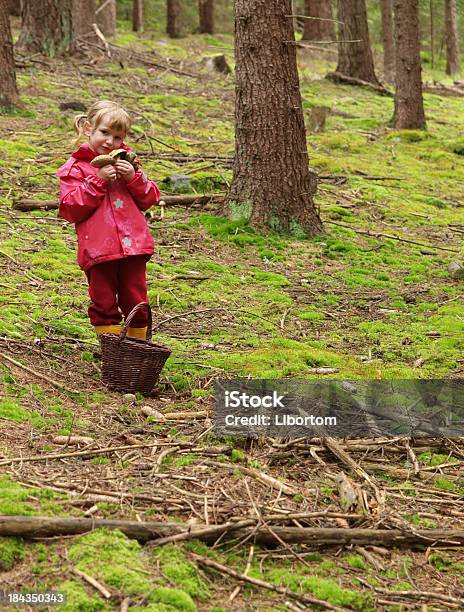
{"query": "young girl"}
{"type": "Point", "coordinates": [107, 204]}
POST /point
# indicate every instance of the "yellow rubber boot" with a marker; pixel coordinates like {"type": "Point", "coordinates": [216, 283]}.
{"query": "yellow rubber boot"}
{"type": "Point", "coordinates": [107, 329]}
{"type": "Point", "coordinates": [137, 332]}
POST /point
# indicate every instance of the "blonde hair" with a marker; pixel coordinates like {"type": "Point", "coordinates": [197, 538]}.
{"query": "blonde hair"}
{"type": "Point", "coordinates": [118, 118]}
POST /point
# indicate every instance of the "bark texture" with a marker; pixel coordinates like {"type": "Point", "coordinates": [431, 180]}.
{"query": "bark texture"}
{"type": "Point", "coordinates": [106, 17]}
{"type": "Point", "coordinates": [318, 29]}
{"type": "Point", "coordinates": [137, 15]}
{"type": "Point", "coordinates": [272, 185]}
{"type": "Point", "coordinates": [206, 15]}
{"type": "Point", "coordinates": [173, 26]}
{"type": "Point", "coordinates": [452, 38]}
{"type": "Point", "coordinates": [14, 7]}
{"type": "Point", "coordinates": [409, 106]}
{"type": "Point", "coordinates": [46, 26]}
{"type": "Point", "coordinates": [388, 41]}
{"type": "Point", "coordinates": [8, 91]}
{"type": "Point", "coordinates": [32, 527]}
{"type": "Point", "coordinates": [355, 59]}
{"type": "Point", "coordinates": [83, 16]}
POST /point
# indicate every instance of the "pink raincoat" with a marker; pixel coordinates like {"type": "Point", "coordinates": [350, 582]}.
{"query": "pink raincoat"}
{"type": "Point", "coordinates": [109, 218]}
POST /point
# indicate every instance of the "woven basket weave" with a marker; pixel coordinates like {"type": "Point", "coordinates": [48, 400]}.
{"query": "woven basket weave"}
{"type": "Point", "coordinates": [131, 364]}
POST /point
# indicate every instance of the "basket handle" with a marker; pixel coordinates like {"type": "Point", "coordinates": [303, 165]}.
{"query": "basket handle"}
{"type": "Point", "coordinates": [133, 312]}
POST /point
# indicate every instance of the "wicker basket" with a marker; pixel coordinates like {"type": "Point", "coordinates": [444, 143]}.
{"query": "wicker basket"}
{"type": "Point", "coordinates": [130, 364]}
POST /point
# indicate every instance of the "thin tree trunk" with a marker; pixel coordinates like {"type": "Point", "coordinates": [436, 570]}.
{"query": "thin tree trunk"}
{"type": "Point", "coordinates": [272, 185]}
{"type": "Point", "coordinates": [137, 15]}
{"type": "Point", "coordinates": [83, 16]}
{"type": "Point", "coordinates": [318, 29]}
{"type": "Point", "coordinates": [388, 42]}
{"type": "Point", "coordinates": [106, 17]}
{"type": "Point", "coordinates": [46, 26]}
{"type": "Point", "coordinates": [409, 106]}
{"type": "Point", "coordinates": [206, 15]}
{"type": "Point", "coordinates": [432, 34]}
{"type": "Point", "coordinates": [452, 39]}
{"type": "Point", "coordinates": [355, 58]}
{"type": "Point", "coordinates": [173, 18]}
{"type": "Point", "coordinates": [8, 91]}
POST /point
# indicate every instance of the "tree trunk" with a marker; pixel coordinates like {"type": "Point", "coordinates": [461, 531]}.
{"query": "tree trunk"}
{"type": "Point", "coordinates": [137, 15]}
{"type": "Point", "coordinates": [8, 91]}
{"type": "Point", "coordinates": [106, 17]}
{"type": "Point", "coordinates": [46, 26]}
{"type": "Point", "coordinates": [388, 42]}
{"type": "Point", "coordinates": [173, 18]}
{"type": "Point", "coordinates": [318, 29]}
{"type": "Point", "coordinates": [272, 185]}
{"type": "Point", "coordinates": [432, 34]}
{"type": "Point", "coordinates": [83, 16]}
{"type": "Point", "coordinates": [206, 14]}
{"type": "Point", "coordinates": [355, 59]}
{"type": "Point", "coordinates": [452, 39]}
{"type": "Point", "coordinates": [14, 7]}
{"type": "Point", "coordinates": [409, 106]}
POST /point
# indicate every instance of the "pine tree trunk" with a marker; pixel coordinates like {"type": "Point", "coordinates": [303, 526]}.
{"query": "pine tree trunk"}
{"type": "Point", "coordinates": [409, 106]}
{"type": "Point", "coordinates": [106, 17]}
{"type": "Point", "coordinates": [355, 59]}
{"type": "Point", "coordinates": [14, 7]}
{"type": "Point", "coordinates": [46, 26]}
{"type": "Point", "coordinates": [452, 38]}
{"type": "Point", "coordinates": [137, 15]}
{"type": "Point", "coordinates": [8, 90]}
{"type": "Point", "coordinates": [206, 14]}
{"type": "Point", "coordinates": [173, 18]}
{"type": "Point", "coordinates": [318, 29]}
{"type": "Point", "coordinates": [388, 42]}
{"type": "Point", "coordinates": [272, 185]}
{"type": "Point", "coordinates": [83, 16]}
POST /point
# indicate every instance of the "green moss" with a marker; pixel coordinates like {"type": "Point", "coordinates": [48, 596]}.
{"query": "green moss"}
{"type": "Point", "coordinates": [444, 484]}
{"type": "Point", "coordinates": [427, 523]}
{"type": "Point", "coordinates": [11, 551]}
{"type": "Point", "coordinates": [113, 558]}
{"type": "Point", "coordinates": [356, 561]}
{"type": "Point", "coordinates": [77, 599]}
{"type": "Point", "coordinates": [13, 498]}
{"type": "Point", "coordinates": [181, 572]}
{"type": "Point", "coordinates": [322, 588]}
{"type": "Point", "coordinates": [11, 411]}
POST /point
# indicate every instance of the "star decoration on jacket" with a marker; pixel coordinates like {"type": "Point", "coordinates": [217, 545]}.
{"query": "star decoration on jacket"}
{"type": "Point", "coordinates": [127, 241]}
{"type": "Point", "coordinates": [144, 177]}
{"type": "Point", "coordinates": [118, 203]}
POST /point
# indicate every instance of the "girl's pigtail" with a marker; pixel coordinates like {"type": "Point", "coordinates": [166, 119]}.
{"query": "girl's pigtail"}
{"type": "Point", "coordinates": [78, 128]}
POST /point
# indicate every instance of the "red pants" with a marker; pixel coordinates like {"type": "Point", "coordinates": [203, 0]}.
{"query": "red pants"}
{"type": "Point", "coordinates": [115, 287]}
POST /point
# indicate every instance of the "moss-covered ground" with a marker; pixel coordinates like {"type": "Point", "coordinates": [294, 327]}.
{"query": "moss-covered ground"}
{"type": "Point", "coordinates": [370, 298]}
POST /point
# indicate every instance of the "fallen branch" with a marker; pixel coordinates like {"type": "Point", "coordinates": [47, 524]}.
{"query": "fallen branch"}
{"type": "Point", "coordinates": [96, 585]}
{"type": "Point", "coordinates": [223, 569]}
{"type": "Point", "coordinates": [338, 77]}
{"type": "Point", "coordinates": [38, 375]}
{"type": "Point", "coordinates": [83, 453]}
{"type": "Point", "coordinates": [28, 204]}
{"type": "Point", "coordinates": [392, 237]}
{"type": "Point", "coordinates": [256, 474]}
{"type": "Point", "coordinates": [30, 527]}
{"type": "Point", "coordinates": [440, 89]}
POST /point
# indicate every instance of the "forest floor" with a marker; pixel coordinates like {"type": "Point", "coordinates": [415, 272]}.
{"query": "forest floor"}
{"type": "Point", "coordinates": [369, 299]}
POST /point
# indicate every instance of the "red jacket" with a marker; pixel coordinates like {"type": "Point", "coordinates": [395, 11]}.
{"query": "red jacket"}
{"type": "Point", "coordinates": [109, 220]}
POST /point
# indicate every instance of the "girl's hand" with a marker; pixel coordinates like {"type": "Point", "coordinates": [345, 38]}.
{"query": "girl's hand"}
{"type": "Point", "coordinates": [107, 173]}
{"type": "Point", "coordinates": [125, 170]}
